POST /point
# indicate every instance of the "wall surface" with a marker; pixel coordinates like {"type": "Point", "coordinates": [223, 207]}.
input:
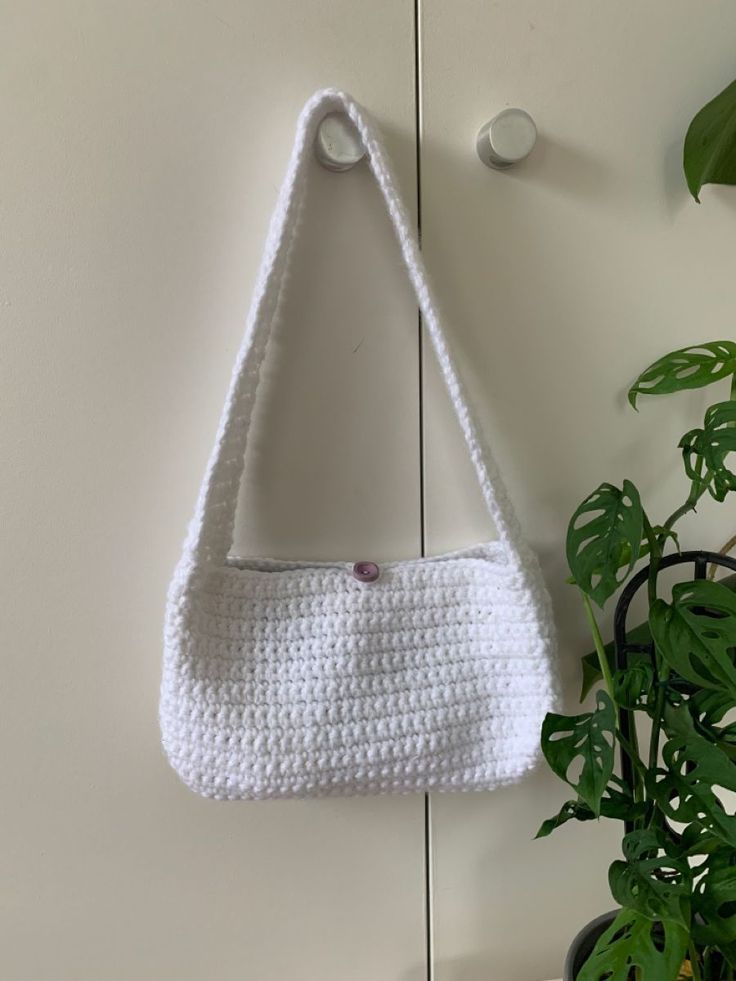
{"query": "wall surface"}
{"type": "Point", "coordinates": [144, 145]}
{"type": "Point", "coordinates": [564, 279]}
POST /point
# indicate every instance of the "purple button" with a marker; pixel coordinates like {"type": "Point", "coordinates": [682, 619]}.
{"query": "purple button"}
{"type": "Point", "coordinates": [366, 571]}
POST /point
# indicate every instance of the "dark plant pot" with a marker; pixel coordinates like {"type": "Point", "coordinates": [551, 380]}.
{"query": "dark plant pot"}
{"type": "Point", "coordinates": [584, 942]}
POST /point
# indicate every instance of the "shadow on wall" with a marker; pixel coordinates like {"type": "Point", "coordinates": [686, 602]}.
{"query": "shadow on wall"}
{"type": "Point", "coordinates": [333, 463]}
{"type": "Point", "coordinates": [565, 169]}
{"type": "Point", "coordinates": [542, 252]}
{"type": "Point", "coordinates": [516, 904]}
{"type": "Point", "coordinates": [522, 369]}
{"type": "Point", "coordinates": [555, 309]}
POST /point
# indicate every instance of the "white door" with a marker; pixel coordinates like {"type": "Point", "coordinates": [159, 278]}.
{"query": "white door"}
{"type": "Point", "coordinates": [144, 144]}
{"type": "Point", "coordinates": [564, 278]}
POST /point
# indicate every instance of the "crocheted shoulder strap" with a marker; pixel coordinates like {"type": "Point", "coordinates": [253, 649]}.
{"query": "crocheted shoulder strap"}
{"type": "Point", "coordinates": [211, 529]}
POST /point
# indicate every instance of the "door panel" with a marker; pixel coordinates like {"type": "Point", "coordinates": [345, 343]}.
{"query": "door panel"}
{"type": "Point", "coordinates": [148, 143]}
{"type": "Point", "coordinates": [563, 279]}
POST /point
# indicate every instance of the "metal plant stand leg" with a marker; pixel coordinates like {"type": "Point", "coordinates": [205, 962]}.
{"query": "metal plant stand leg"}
{"type": "Point", "coordinates": [623, 648]}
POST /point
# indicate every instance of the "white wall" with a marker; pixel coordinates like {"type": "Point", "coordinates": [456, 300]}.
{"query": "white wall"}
{"type": "Point", "coordinates": [564, 279]}
{"type": "Point", "coordinates": [143, 147]}
{"type": "Point", "coordinates": [144, 143]}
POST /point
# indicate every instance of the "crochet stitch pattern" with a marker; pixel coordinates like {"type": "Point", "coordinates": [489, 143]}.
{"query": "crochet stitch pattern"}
{"type": "Point", "coordinates": [294, 679]}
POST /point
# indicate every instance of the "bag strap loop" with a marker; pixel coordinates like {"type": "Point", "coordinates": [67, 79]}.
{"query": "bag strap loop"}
{"type": "Point", "coordinates": [211, 529]}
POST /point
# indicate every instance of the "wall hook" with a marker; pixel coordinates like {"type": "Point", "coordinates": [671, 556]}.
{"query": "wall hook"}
{"type": "Point", "coordinates": [508, 138]}
{"type": "Point", "coordinates": [337, 144]}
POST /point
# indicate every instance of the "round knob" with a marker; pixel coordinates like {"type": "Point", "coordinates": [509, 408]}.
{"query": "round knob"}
{"type": "Point", "coordinates": [337, 144]}
{"type": "Point", "coordinates": [508, 138]}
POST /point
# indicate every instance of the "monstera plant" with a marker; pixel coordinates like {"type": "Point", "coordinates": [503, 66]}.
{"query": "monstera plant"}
{"type": "Point", "coordinates": [676, 879]}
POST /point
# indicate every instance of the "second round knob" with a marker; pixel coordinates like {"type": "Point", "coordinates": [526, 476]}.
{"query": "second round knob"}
{"type": "Point", "coordinates": [507, 139]}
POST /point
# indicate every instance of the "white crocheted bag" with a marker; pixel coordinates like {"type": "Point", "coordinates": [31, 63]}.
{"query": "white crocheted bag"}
{"type": "Point", "coordinates": [301, 679]}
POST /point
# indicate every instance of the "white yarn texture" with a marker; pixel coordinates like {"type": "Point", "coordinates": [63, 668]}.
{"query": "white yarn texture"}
{"type": "Point", "coordinates": [293, 679]}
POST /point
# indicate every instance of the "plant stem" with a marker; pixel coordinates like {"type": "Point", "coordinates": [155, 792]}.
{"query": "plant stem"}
{"type": "Point", "coordinates": [663, 675]}
{"type": "Point", "coordinates": [723, 550]}
{"type": "Point", "coordinates": [656, 548]}
{"type": "Point", "coordinates": [707, 965]}
{"type": "Point", "coordinates": [600, 647]}
{"type": "Point", "coordinates": [697, 489]}
{"type": "Point", "coordinates": [631, 746]}
{"type": "Point", "coordinates": [726, 548]}
{"type": "Point", "coordinates": [694, 964]}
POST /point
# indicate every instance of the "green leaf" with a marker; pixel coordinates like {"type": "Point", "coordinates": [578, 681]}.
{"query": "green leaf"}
{"type": "Point", "coordinates": [709, 448]}
{"type": "Point", "coordinates": [639, 635]}
{"type": "Point", "coordinates": [714, 900]}
{"type": "Point", "coordinates": [663, 534]}
{"type": "Point", "coordinates": [634, 941]}
{"type": "Point", "coordinates": [604, 537]}
{"type": "Point", "coordinates": [592, 672]}
{"type": "Point", "coordinates": [617, 803]}
{"type": "Point", "coordinates": [708, 709]}
{"type": "Point", "coordinates": [633, 684]}
{"type": "Point", "coordinates": [696, 634]}
{"type": "Point", "coordinates": [587, 741]}
{"type": "Point", "coordinates": [694, 769]}
{"type": "Point", "coordinates": [697, 840]}
{"type": "Point", "coordinates": [571, 810]}
{"type": "Point", "coordinates": [729, 953]}
{"type": "Point", "coordinates": [709, 155]}
{"type": "Point", "coordinates": [652, 880]}
{"type": "Point", "coordinates": [689, 367]}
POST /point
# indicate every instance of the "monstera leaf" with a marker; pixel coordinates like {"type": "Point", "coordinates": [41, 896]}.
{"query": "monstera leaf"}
{"type": "Point", "coordinates": [591, 668]}
{"type": "Point", "coordinates": [709, 155]}
{"type": "Point", "coordinates": [690, 367]}
{"type": "Point", "coordinates": [633, 941]}
{"type": "Point", "coordinates": [696, 634]}
{"type": "Point", "coordinates": [714, 900]}
{"type": "Point", "coordinates": [690, 786]}
{"type": "Point", "coordinates": [696, 840]}
{"type": "Point", "coordinates": [604, 539]}
{"type": "Point", "coordinates": [632, 685]}
{"type": "Point", "coordinates": [617, 803]}
{"type": "Point", "coordinates": [584, 741]}
{"type": "Point", "coordinates": [571, 810]}
{"type": "Point", "coordinates": [709, 708]}
{"type": "Point", "coordinates": [710, 448]}
{"type": "Point", "coordinates": [653, 879]}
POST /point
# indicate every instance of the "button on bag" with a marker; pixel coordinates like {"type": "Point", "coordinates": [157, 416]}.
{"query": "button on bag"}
{"type": "Point", "coordinates": [307, 679]}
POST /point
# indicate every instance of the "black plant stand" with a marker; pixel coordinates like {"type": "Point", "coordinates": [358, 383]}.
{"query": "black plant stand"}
{"type": "Point", "coordinates": [700, 561]}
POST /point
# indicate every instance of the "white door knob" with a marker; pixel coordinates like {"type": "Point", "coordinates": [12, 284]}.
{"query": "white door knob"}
{"type": "Point", "coordinates": [508, 138]}
{"type": "Point", "coordinates": [337, 144]}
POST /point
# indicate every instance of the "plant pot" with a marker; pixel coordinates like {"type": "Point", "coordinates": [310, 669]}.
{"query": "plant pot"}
{"type": "Point", "coordinates": [584, 942]}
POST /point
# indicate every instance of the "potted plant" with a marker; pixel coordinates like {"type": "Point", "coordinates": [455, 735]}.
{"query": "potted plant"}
{"type": "Point", "coordinates": [676, 672]}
